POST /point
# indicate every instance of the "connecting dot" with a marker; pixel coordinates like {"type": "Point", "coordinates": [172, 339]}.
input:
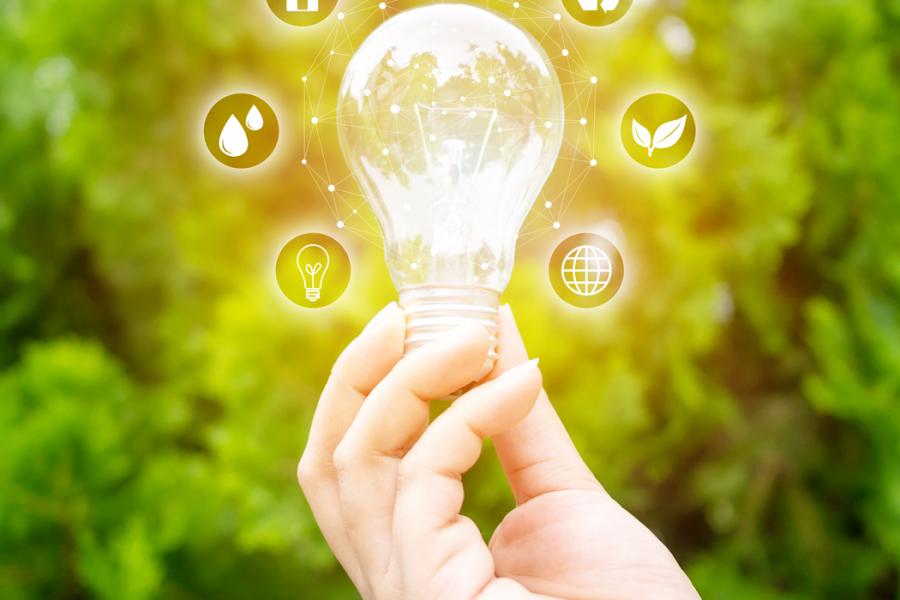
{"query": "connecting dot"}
{"type": "Point", "coordinates": [485, 266]}
{"type": "Point", "coordinates": [396, 109]}
{"type": "Point", "coordinates": [414, 266]}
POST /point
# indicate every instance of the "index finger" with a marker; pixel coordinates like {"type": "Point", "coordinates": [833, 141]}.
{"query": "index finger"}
{"type": "Point", "coordinates": [363, 364]}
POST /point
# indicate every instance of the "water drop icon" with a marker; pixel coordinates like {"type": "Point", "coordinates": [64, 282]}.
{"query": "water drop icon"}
{"type": "Point", "coordinates": [254, 119]}
{"type": "Point", "coordinates": [233, 140]}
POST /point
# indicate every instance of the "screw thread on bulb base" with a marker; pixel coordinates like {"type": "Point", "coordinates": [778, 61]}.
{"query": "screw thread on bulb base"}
{"type": "Point", "coordinates": [434, 309]}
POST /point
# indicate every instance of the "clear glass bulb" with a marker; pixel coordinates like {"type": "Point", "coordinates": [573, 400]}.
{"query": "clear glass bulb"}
{"type": "Point", "coordinates": [451, 119]}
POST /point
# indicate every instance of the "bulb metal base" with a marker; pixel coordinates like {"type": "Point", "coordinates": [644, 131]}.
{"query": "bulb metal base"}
{"type": "Point", "coordinates": [434, 309]}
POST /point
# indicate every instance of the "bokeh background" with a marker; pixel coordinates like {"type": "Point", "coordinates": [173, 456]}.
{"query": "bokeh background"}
{"type": "Point", "coordinates": [742, 396]}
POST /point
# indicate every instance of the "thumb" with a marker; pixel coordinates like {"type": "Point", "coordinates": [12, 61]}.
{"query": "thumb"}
{"type": "Point", "coordinates": [537, 454]}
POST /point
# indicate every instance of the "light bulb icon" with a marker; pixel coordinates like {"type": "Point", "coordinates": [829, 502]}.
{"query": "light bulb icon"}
{"type": "Point", "coordinates": [313, 262]}
{"type": "Point", "coordinates": [451, 119]}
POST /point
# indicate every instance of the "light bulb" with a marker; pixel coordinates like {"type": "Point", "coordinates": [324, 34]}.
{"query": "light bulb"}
{"type": "Point", "coordinates": [451, 119]}
{"type": "Point", "coordinates": [313, 262]}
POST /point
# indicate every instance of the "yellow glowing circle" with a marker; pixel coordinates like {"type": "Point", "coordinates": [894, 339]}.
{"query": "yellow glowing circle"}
{"type": "Point", "coordinates": [313, 270]}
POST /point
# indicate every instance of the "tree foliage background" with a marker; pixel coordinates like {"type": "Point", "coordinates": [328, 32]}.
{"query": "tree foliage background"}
{"type": "Point", "coordinates": [743, 398]}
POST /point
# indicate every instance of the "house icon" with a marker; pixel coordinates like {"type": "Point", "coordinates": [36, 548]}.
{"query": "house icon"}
{"type": "Point", "coordinates": [302, 5]}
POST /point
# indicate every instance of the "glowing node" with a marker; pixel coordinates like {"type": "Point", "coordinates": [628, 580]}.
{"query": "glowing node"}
{"type": "Point", "coordinates": [331, 188]}
{"type": "Point", "coordinates": [485, 266]}
{"type": "Point", "coordinates": [516, 5]}
{"type": "Point", "coordinates": [385, 152]}
{"type": "Point", "coordinates": [548, 204]}
{"type": "Point", "coordinates": [303, 162]}
{"type": "Point", "coordinates": [395, 109]}
{"type": "Point", "coordinates": [315, 120]}
{"type": "Point", "coordinates": [382, 5]}
{"type": "Point", "coordinates": [594, 80]}
{"type": "Point", "coordinates": [565, 52]}
{"type": "Point", "coordinates": [583, 121]}
{"type": "Point", "coordinates": [507, 92]}
{"type": "Point", "coordinates": [341, 16]}
{"type": "Point", "coordinates": [557, 17]}
{"type": "Point", "coordinates": [367, 92]}
{"type": "Point", "coordinates": [303, 79]}
{"type": "Point", "coordinates": [593, 162]}
{"type": "Point", "coordinates": [548, 124]}
{"type": "Point", "coordinates": [340, 224]}
{"type": "Point", "coordinates": [414, 266]}
{"type": "Point", "coordinates": [557, 225]}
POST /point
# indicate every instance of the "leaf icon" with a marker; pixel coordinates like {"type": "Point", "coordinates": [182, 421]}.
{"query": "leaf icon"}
{"type": "Point", "coordinates": [641, 135]}
{"type": "Point", "coordinates": [668, 134]}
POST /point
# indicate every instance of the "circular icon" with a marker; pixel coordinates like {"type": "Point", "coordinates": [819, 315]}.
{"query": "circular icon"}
{"type": "Point", "coordinates": [586, 270]}
{"type": "Point", "coordinates": [597, 12]}
{"type": "Point", "coordinates": [313, 270]}
{"type": "Point", "coordinates": [241, 130]}
{"type": "Point", "coordinates": [302, 13]}
{"type": "Point", "coordinates": [658, 131]}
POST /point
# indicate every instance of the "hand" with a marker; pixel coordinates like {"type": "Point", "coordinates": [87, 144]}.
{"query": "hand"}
{"type": "Point", "coordinates": [386, 489]}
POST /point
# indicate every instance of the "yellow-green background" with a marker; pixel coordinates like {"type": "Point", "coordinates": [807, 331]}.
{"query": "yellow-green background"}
{"type": "Point", "coordinates": [741, 396]}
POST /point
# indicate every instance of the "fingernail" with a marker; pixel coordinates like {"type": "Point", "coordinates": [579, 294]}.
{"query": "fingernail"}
{"type": "Point", "coordinates": [531, 365]}
{"type": "Point", "coordinates": [463, 330]}
{"type": "Point", "coordinates": [382, 314]}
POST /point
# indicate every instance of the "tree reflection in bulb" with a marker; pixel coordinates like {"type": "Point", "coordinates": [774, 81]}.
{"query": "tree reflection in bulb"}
{"type": "Point", "coordinates": [451, 119]}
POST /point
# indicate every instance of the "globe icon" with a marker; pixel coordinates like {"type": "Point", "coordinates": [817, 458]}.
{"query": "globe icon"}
{"type": "Point", "coordinates": [586, 271]}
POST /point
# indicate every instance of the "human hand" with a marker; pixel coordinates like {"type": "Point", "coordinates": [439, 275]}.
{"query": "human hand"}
{"type": "Point", "coordinates": [386, 489]}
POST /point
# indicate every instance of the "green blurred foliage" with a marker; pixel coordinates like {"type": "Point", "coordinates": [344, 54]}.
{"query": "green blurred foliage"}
{"type": "Point", "coordinates": [742, 397]}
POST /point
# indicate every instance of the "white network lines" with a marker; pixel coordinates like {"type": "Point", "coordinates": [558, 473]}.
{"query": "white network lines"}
{"type": "Point", "coordinates": [348, 26]}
